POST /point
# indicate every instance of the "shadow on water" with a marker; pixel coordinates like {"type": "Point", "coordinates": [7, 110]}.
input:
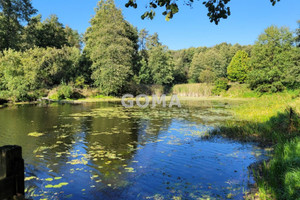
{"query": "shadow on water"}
{"type": "Point", "coordinates": [105, 151]}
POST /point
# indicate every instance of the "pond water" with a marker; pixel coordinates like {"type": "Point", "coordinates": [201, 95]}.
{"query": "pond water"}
{"type": "Point", "coordinates": [105, 151]}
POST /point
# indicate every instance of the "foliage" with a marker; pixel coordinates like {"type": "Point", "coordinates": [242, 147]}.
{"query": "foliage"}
{"type": "Point", "coordinates": [237, 90]}
{"type": "Point", "coordinates": [49, 33]}
{"type": "Point", "coordinates": [28, 71]}
{"type": "Point", "coordinates": [111, 43]}
{"type": "Point", "coordinates": [145, 76]}
{"type": "Point", "coordinates": [298, 34]}
{"type": "Point", "coordinates": [220, 85]}
{"type": "Point", "coordinates": [271, 58]}
{"type": "Point", "coordinates": [238, 68]}
{"type": "Point", "coordinates": [216, 9]}
{"type": "Point", "coordinates": [65, 91]}
{"type": "Point", "coordinates": [291, 77]}
{"type": "Point", "coordinates": [13, 14]}
{"type": "Point", "coordinates": [182, 61]}
{"type": "Point", "coordinates": [156, 63]}
{"type": "Point", "coordinates": [213, 61]}
{"type": "Point", "coordinates": [80, 82]}
{"type": "Point", "coordinates": [161, 65]}
{"type": "Point", "coordinates": [207, 76]}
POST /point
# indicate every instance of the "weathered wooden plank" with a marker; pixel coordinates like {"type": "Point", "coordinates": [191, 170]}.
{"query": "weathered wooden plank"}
{"type": "Point", "coordinates": [11, 171]}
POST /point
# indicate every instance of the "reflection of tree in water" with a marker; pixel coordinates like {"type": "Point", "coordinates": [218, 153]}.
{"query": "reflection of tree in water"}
{"type": "Point", "coordinates": [111, 143]}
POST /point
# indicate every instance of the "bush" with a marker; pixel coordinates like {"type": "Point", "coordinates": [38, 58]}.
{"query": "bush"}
{"type": "Point", "coordinates": [207, 76]}
{"type": "Point", "coordinates": [21, 73]}
{"type": "Point", "coordinates": [220, 85]}
{"type": "Point", "coordinates": [80, 82]}
{"type": "Point", "coordinates": [65, 91]}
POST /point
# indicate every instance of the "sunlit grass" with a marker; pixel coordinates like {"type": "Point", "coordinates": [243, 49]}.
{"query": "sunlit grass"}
{"type": "Point", "coordinates": [281, 176]}
{"type": "Point", "coordinates": [263, 108]}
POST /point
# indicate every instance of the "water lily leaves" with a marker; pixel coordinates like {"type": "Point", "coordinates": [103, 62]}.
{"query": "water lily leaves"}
{"type": "Point", "coordinates": [129, 169]}
{"type": "Point", "coordinates": [82, 161]}
{"type": "Point", "coordinates": [30, 178]}
{"type": "Point", "coordinates": [49, 186]}
{"type": "Point", "coordinates": [57, 186]}
{"type": "Point", "coordinates": [35, 134]}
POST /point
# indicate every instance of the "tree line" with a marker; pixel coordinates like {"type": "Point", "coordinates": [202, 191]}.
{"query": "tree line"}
{"type": "Point", "coordinates": [113, 56]}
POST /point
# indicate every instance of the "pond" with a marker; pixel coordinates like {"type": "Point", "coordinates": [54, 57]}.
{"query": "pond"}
{"type": "Point", "coordinates": [105, 151]}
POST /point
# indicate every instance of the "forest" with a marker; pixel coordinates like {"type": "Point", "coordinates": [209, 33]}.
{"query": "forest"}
{"type": "Point", "coordinates": [39, 57]}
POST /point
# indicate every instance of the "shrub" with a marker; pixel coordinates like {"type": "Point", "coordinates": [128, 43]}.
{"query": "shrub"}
{"type": "Point", "coordinates": [21, 73]}
{"type": "Point", "coordinates": [65, 91]}
{"type": "Point", "coordinates": [207, 76]}
{"type": "Point", "coordinates": [220, 85]}
{"type": "Point", "coordinates": [80, 82]}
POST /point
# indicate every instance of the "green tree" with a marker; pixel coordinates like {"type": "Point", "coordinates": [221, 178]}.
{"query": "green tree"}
{"type": "Point", "coordinates": [111, 43]}
{"type": "Point", "coordinates": [49, 33]}
{"type": "Point", "coordinates": [73, 37]}
{"type": "Point", "coordinates": [292, 75]}
{"type": "Point", "coordinates": [37, 68]}
{"type": "Point", "coordinates": [298, 34]}
{"type": "Point", "coordinates": [209, 60]}
{"type": "Point", "coordinates": [216, 9]}
{"type": "Point", "coordinates": [182, 62]}
{"type": "Point", "coordinates": [272, 56]}
{"type": "Point", "coordinates": [13, 14]}
{"type": "Point", "coordinates": [152, 41]}
{"type": "Point", "coordinates": [161, 65]}
{"type": "Point", "coordinates": [196, 67]}
{"type": "Point", "coordinates": [156, 61]}
{"type": "Point", "coordinates": [145, 75]}
{"type": "Point", "coordinates": [207, 76]}
{"type": "Point", "coordinates": [239, 67]}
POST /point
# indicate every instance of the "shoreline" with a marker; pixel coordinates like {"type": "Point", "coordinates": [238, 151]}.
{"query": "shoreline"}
{"type": "Point", "coordinates": [117, 99]}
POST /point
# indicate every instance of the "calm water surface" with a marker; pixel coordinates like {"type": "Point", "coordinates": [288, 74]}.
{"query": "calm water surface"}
{"type": "Point", "coordinates": [105, 151]}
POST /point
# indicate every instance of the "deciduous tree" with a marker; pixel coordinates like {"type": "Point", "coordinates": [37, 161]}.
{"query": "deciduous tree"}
{"type": "Point", "coordinates": [111, 43]}
{"type": "Point", "coordinates": [270, 60]}
{"type": "Point", "coordinates": [239, 67]}
{"type": "Point", "coordinates": [13, 14]}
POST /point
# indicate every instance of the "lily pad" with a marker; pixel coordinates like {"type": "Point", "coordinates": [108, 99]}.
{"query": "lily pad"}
{"type": "Point", "coordinates": [35, 134]}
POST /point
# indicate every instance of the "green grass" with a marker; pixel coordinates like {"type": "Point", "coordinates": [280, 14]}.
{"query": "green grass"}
{"type": "Point", "coordinates": [102, 97]}
{"type": "Point", "coordinates": [239, 91]}
{"type": "Point", "coordinates": [261, 109]}
{"type": "Point", "coordinates": [280, 178]}
{"type": "Point", "coordinates": [271, 119]}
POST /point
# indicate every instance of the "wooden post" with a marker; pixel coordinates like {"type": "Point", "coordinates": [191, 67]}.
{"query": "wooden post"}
{"type": "Point", "coordinates": [11, 172]}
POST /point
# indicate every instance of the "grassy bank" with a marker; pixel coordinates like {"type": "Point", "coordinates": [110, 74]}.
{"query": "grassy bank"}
{"type": "Point", "coordinates": [272, 120]}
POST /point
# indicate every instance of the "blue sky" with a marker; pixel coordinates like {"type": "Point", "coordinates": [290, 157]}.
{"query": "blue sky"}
{"type": "Point", "coordinates": [190, 27]}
